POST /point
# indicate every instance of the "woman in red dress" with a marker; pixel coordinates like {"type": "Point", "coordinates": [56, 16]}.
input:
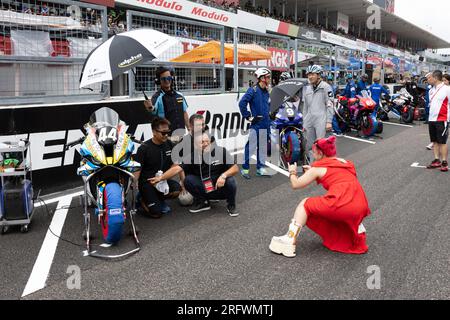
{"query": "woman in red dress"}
{"type": "Point", "coordinates": [336, 216]}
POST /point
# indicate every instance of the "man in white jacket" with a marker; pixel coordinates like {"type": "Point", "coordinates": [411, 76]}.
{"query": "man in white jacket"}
{"type": "Point", "coordinates": [318, 106]}
{"type": "Point", "coordinates": [438, 120]}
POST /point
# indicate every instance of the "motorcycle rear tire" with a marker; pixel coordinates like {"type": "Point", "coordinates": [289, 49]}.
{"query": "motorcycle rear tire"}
{"type": "Point", "coordinates": [408, 117]}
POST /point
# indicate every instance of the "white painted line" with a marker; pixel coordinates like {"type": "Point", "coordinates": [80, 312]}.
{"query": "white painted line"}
{"type": "Point", "coordinates": [44, 260]}
{"type": "Point", "coordinates": [398, 124]}
{"type": "Point", "coordinates": [85, 253]}
{"type": "Point", "coordinates": [274, 167]}
{"type": "Point", "coordinates": [358, 139]}
{"type": "Point", "coordinates": [237, 152]}
{"type": "Point", "coordinates": [39, 204]}
{"type": "Point", "coordinates": [416, 165]}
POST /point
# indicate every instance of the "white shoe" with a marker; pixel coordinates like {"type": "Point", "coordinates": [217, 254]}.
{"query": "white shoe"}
{"type": "Point", "coordinates": [283, 245]}
{"type": "Point", "coordinates": [430, 146]}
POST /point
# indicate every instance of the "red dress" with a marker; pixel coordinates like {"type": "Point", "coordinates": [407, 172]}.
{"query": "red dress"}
{"type": "Point", "coordinates": [336, 216]}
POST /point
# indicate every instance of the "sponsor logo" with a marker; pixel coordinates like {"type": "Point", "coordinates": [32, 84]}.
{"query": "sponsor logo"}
{"type": "Point", "coordinates": [309, 35]}
{"type": "Point", "coordinates": [172, 5]}
{"type": "Point", "coordinates": [132, 60]}
{"type": "Point", "coordinates": [94, 73]}
{"type": "Point", "coordinates": [115, 212]}
{"type": "Point", "coordinates": [210, 15]}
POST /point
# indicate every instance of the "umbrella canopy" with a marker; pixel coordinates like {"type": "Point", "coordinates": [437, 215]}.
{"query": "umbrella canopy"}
{"type": "Point", "coordinates": [285, 90]}
{"type": "Point", "coordinates": [123, 52]}
{"type": "Point", "coordinates": [210, 52]}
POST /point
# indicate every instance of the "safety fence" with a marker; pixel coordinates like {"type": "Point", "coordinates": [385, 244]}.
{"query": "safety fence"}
{"type": "Point", "coordinates": [43, 46]}
{"type": "Point", "coordinates": [198, 57]}
{"type": "Point", "coordinates": [255, 50]}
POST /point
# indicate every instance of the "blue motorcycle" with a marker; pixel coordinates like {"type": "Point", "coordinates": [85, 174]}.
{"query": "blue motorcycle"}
{"type": "Point", "coordinates": [399, 106]}
{"type": "Point", "coordinates": [107, 170]}
{"type": "Point", "coordinates": [287, 129]}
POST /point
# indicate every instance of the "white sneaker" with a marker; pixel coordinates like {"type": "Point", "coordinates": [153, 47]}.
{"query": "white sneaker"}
{"type": "Point", "coordinates": [283, 245]}
{"type": "Point", "coordinates": [430, 146]}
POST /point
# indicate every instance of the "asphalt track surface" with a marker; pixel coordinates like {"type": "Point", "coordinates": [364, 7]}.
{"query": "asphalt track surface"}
{"type": "Point", "coordinates": [210, 255]}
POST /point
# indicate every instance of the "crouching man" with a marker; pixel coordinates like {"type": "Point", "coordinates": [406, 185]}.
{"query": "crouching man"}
{"type": "Point", "coordinates": [209, 175]}
{"type": "Point", "coordinates": [155, 157]}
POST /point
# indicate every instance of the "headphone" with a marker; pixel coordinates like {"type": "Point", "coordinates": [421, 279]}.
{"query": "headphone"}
{"type": "Point", "coordinates": [160, 71]}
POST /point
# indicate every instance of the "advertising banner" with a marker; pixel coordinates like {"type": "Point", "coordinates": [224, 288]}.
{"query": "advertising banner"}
{"type": "Point", "coordinates": [308, 34]}
{"type": "Point", "coordinates": [186, 9]}
{"type": "Point", "coordinates": [338, 40]}
{"type": "Point", "coordinates": [51, 162]}
{"type": "Point", "coordinates": [342, 22]}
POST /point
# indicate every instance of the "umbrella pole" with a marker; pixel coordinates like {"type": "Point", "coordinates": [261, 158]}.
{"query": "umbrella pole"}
{"type": "Point", "coordinates": [139, 84]}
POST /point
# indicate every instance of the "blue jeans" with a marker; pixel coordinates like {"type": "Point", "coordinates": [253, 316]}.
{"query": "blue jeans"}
{"type": "Point", "coordinates": [335, 125]}
{"type": "Point", "coordinates": [194, 186]}
{"type": "Point", "coordinates": [253, 144]}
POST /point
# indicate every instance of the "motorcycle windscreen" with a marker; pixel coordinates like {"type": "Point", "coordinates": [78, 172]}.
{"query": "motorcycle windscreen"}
{"type": "Point", "coordinates": [104, 117]}
{"type": "Point", "coordinates": [105, 121]}
{"type": "Point", "coordinates": [365, 94]}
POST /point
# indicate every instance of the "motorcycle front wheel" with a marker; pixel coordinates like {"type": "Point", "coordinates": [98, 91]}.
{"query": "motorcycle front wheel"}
{"type": "Point", "coordinates": [112, 219]}
{"type": "Point", "coordinates": [367, 126]}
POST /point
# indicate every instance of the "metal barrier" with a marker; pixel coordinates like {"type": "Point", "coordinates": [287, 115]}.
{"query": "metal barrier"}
{"type": "Point", "coordinates": [272, 51]}
{"type": "Point", "coordinates": [43, 45]}
{"type": "Point", "coordinates": [313, 53]}
{"type": "Point", "coordinates": [348, 61]}
{"type": "Point", "coordinates": [194, 74]}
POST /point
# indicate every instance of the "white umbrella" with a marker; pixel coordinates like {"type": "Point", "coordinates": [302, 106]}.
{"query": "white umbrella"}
{"type": "Point", "coordinates": [123, 52]}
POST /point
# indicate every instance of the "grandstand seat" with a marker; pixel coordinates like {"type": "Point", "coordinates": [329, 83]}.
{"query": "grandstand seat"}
{"type": "Point", "coordinates": [60, 48]}
{"type": "Point", "coordinates": [5, 45]}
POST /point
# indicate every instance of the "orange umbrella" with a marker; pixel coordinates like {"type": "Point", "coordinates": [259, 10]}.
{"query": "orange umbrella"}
{"type": "Point", "coordinates": [210, 52]}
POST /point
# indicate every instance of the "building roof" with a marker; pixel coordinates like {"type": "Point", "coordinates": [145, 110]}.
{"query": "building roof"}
{"type": "Point", "coordinates": [357, 12]}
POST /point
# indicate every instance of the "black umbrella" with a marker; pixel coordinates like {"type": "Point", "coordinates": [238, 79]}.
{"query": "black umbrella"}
{"type": "Point", "coordinates": [284, 91]}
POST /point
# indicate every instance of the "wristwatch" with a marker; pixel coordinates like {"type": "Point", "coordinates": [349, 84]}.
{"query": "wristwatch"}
{"type": "Point", "coordinates": [224, 176]}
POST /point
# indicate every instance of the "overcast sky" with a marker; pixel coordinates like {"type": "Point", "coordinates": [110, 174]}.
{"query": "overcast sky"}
{"type": "Point", "coordinates": [431, 15]}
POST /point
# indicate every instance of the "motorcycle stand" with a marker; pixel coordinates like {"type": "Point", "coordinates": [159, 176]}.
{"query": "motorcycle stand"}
{"type": "Point", "coordinates": [93, 253]}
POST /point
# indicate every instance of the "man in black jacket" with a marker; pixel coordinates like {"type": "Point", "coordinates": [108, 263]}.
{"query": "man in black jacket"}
{"type": "Point", "coordinates": [168, 103]}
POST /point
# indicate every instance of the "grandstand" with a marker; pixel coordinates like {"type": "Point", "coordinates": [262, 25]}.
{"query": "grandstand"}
{"type": "Point", "coordinates": [43, 44]}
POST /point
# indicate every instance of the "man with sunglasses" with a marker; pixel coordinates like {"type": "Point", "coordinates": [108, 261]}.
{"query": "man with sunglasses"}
{"type": "Point", "coordinates": [210, 172]}
{"type": "Point", "coordinates": [168, 103]}
{"type": "Point", "coordinates": [156, 155]}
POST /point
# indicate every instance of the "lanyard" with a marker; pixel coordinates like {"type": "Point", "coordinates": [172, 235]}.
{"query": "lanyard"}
{"type": "Point", "coordinates": [200, 165]}
{"type": "Point", "coordinates": [434, 95]}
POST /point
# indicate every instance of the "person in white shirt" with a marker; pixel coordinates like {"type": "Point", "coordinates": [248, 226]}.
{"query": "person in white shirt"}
{"type": "Point", "coordinates": [438, 120]}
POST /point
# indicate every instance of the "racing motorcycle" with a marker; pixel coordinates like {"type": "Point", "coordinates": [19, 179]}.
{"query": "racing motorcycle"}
{"type": "Point", "coordinates": [107, 169]}
{"type": "Point", "coordinates": [287, 123]}
{"type": "Point", "coordinates": [358, 114]}
{"type": "Point", "coordinates": [402, 106]}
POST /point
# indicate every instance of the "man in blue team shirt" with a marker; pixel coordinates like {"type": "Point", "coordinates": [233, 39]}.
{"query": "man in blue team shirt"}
{"type": "Point", "coordinates": [362, 84]}
{"type": "Point", "coordinates": [350, 89]}
{"type": "Point", "coordinates": [376, 90]}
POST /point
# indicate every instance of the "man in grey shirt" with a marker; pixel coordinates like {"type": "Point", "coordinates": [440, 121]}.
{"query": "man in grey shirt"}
{"type": "Point", "coordinates": [318, 106]}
